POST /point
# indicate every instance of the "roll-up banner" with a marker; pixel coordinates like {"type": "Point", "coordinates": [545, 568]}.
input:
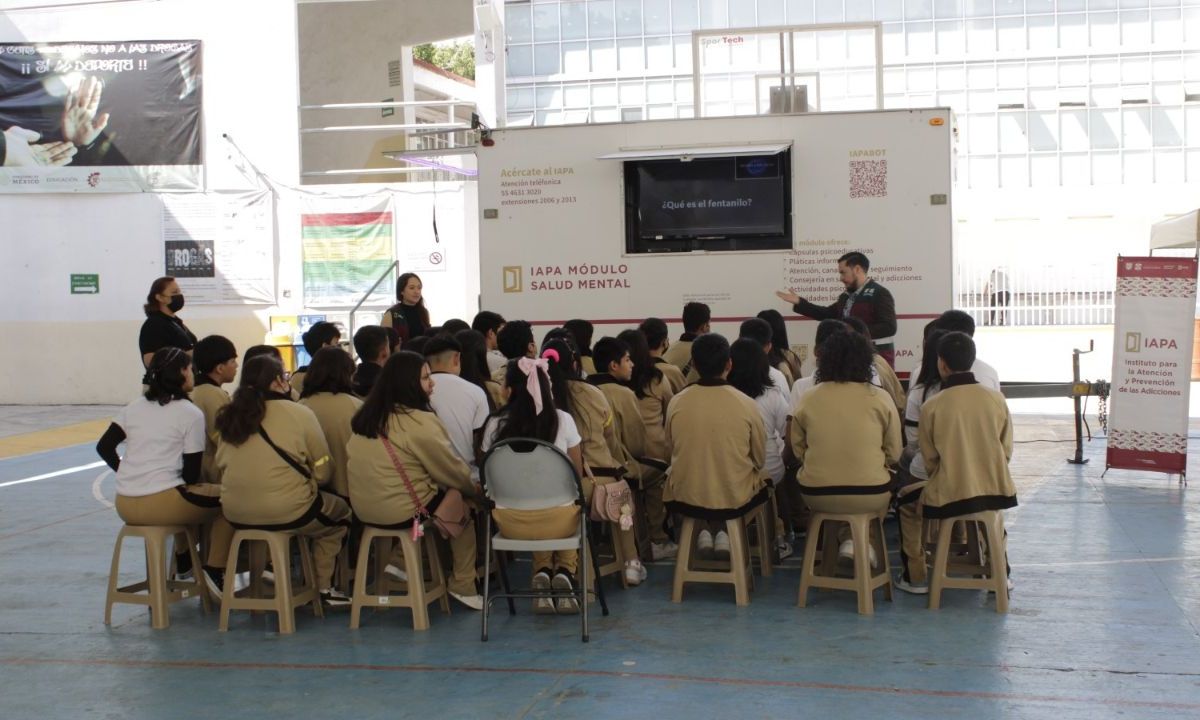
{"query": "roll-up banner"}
{"type": "Point", "coordinates": [1152, 359]}
{"type": "Point", "coordinates": [101, 117]}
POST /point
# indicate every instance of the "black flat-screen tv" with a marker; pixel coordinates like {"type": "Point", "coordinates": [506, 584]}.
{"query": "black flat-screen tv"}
{"type": "Point", "coordinates": [741, 202]}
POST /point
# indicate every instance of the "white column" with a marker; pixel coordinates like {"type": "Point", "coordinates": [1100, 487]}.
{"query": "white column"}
{"type": "Point", "coordinates": [489, 63]}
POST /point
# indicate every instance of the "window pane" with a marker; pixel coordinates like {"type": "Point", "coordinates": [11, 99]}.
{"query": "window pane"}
{"type": "Point", "coordinates": [600, 18]}
{"type": "Point", "coordinates": [982, 129]}
{"type": "Point", "coordinates": [918, 9]}
{"type": "Point", "coordinates": [981, 36]}
{"type": "Point", "coordinates": [632, 92]}
{"type": "Point", "coordinates": [683, 16]}
{"type": "Point", "coordinates": [629, 17]}
{"type": "Point", "coordinates": [658, 53]}
{"type": "Point", "coordinates": [1042, 33]}
{"type": "Point", "coordinates": [631, 55]}
{"type": "Point", "coordinates": [574, 21]}
{"type": "Point", "coordinates": [520, 61]}
{"type": "Point", "coordinates": [1168, 166]}
{"type": "Point", "coordinates": [979, 8]}
{"type": "Point", "coordinates": [1043, 131]}
{"type": "Point", "coordinates": [576, 96]}
{"type": "Point", "coordinates": [889, 10]}
{"type": "Point", "coordinates": [801, 12]}
{"type": "Point", "coordinates": [604, 94]}
{"type": "Point", "coordinates": [1106, 169]}
{"type": "Point", "coordinates": [545, 23]}
{"type": "Point", "coordinates": [1103, 30]}
{"type": "Point", "coordinates": [947, 8]}
{"type": "Point", "coordinates": [714, 14]}
{"type": "Point", "coordinates": [604, 56]}
{"type": "Point", "coordinates": [1104, 128]}
{"type": "Point", "coordinates": [1073, 31]}
{"type": "Point", "coordinates": [770, 12]}
{"type": "Point", "coordinates": [829, 11]}
{"type": "Point", "coordinates": [1135, 29]}
{"type": "Point", "coordinates": [950, 37]}
{"type": "Point", "coordinates": [741, 14]}
{"type": "Point", "coordinates": [1076, 170]}
{"type": "Point", "coordinates": [858, 11]}
{"type": "Point", "coordinates": [1043, 170]}
{"type": "Point", "coordinates": [545, 59]}
{"type": "Point", "coordinates": [1012, 133]}
{"type": "Point", "coordinates": [1139, 168]}
{"type": "Point", "coordinates": [1010, 34]}
{"type": "Point", "coordinates": [1014, 172]}
{"type": "Point", "coordinates": [658, 16]}
{"type": "Point", "coordinates": [575, 58]}
{"type": "Point", "coordinates": [1074, 130]}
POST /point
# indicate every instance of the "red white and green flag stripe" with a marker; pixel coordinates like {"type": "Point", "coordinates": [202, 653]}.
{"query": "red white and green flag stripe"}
{"type": "Point", "coordinates": [344, 253]}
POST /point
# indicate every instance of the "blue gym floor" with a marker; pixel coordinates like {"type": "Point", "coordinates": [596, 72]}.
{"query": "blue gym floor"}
{"type": "Point", "coordinates": [1103, 623]}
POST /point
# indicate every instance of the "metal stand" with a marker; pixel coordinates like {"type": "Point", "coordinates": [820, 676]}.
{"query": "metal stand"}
{"type": "Point", "coordinates": [1077, 397]}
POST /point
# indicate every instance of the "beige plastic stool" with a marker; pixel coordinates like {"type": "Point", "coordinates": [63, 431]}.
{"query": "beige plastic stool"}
{"type": "Point", "coordinates": [990, 574]}
{"type": "Point", "coordinates": [617, 564]}
{"type": "Point", "coordinates": [864, 582]}
{"type": "Point", "coordinates": [764, 551]}
{"type": "Point", "coordinates": [418, 595]}
{"type": "Point", "coordinates": [738, 574]}
{"type": "Point", "coordinates": [157, 590]}
{"type": "Point", "coordinates": [286, 598]}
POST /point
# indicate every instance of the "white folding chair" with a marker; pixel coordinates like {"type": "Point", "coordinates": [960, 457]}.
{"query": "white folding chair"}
{"type": "Point", "coordinates": [528, 474]}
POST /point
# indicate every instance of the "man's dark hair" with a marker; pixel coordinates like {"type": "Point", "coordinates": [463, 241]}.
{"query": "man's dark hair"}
{"type": "Point", "coordinates": [655, 331]}
{"type": "Point", "coordinates": [695, 316]}
{"type": "Point", "coordinates": [513, 340]}
{"type": "Point", "coordinates": [858, 326]}
{"type": "Point", "coordinates": [608, 350]}
{"type": "Point", "coordinates": [845, 357]}
{"type": "Point", "coordinates": [856, 259]}
{"type": "Point", "coordinates": [369, 342]}
{"type": "Point", "coordinates": [255, 350]}
{"type": "Point", "coordinates": [956, 321]}
{"type": "Point", "coordinates": [957, 350]}
{"type": "Point", "coordinates": [319, 335]}
{"type": "Point", "coordinates": [487, 321]}
{"type": "Point", "coordinates": [211, 352]}
{"type": "Point", "coordinates": [756, 329]}
{"type": "Point", "coordinates": [440, 344]}
{"type": "Point", "coordinates": [453, 325]}
{"type": "Point", "coordinates": [582, 331]}
{"type": "Point", "coordinates": [710, 355]}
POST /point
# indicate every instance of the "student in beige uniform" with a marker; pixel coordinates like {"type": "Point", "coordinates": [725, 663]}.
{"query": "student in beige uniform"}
{"type": "Point", "coordinates": [582, 331]}
{"type": "Point", "coordinates": [696, 317]}
{"type": "Point", "coordinates": [473, 366]}
{"type": "Point", "coordinates": [653, 389]}
{"type": "Point", "coordinates": [321, 334]}
{"type": "Point", "coordinates": [782, 357]}
{"type": "Point", "coordinates": [158, 479]}
{"type": "Point", "coordinates": [604, 459]}
{"type": "Point", "coordinates": [515, 340]}
{"type": "Point", "coordinates": [655, 332]}
{"type": "Point", "coordinates": [273, 457]}
{"type": "Point", "coordinates": [718, 448]}
{"type": "Point", "coordinates": [216, 363]}
{"type": "Point", "coordinates": [396, 420]}
{"type": "Point", "coordinates": [328, 392]}
{"type": "Point", "coordinates": [529, 412]}
{"type": "Point", "coordinates": [846, 433]}
{"type": "Point", "coordinates": [965, 436]}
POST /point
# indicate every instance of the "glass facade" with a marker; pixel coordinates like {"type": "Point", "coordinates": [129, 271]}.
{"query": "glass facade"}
{"type": "Point", "coordinates": [1047, 94]}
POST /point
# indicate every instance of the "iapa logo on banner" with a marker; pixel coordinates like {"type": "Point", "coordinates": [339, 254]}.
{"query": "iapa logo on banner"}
{"type": "Point", "coordinates": [513, 279]}
{"type": "Point", "coordinates": [1133, 342]}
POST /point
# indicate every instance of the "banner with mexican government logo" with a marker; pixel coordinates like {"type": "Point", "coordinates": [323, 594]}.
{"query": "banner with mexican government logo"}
{"type": "Point", "coordinates": [1152, 355]}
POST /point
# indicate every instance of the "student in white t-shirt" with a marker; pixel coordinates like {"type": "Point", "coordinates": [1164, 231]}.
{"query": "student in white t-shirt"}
{"type": "Point", "coordinates": [530, 413]}
{"type": "Point", "coordinates": [759, 331]}
{"type": "Point", "coordinates": [158, 479]}
{"type": "Point", "coordinates": [462, 406]}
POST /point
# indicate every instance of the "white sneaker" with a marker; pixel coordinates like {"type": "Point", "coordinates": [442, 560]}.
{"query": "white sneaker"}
{"type": "Point", "coordinates": [635, 572]}
{"type": "Point", "coordinates": [541, 583]}
{"type": "Point", "coordinates": [334, 598]}
{"type": "Point", "coordinates": [666, 551]}
{"type": "Point", "coordinates": [475, 602]}
{"type": "Point", "coordinates": [563, 582]}
{"type": "Point", "coordinates": [396, 573]}
{"type": "Point", "coordinates": [783, 549]}
{"type": "Point", "coordinates": [911, 588]}
{"type": "Point", "coordinates": [268, 577]}
{"type": "Point", "coordinates": [704, 543]}
{"type": "Point", "coordinates": [721, 545]}
{"type": "Point", "coordinates": [846, 552]}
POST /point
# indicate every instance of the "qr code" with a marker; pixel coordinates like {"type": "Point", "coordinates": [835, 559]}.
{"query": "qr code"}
{"type": "Point", "coordinates": [868, 178]}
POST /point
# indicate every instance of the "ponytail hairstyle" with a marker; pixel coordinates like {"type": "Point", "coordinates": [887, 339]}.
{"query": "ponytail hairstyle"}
{"type": "Point", "coordinates": [164, 377]}
{"type": "Point", "coordinates": [519, 418]}
{"type": "Point", "coordinates": [563, 363]}
{"type": "Point", "coordinates": [244, 414]}
{"type": "Point", "coordinates": [398, 389]}
{"type": "Point", "coordinates": [645, 373]}
{"type": "Point", "coordinates": [156, 288]}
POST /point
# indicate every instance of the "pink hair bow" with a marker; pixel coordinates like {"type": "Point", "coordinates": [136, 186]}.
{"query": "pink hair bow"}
{"type": "Point", "coordinates": [530, 366]}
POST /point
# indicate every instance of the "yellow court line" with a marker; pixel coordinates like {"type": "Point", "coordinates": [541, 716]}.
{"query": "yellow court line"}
{"type": "Point", "coordinates": [52, 439]}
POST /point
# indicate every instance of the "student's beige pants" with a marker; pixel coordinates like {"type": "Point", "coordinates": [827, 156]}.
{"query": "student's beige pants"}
{"type": "Point", "coordinates": [198, 504]}
{"type": "Point", "coordinates": [544, 524]}
{"type": "Point", "coordinates": [912, 535]}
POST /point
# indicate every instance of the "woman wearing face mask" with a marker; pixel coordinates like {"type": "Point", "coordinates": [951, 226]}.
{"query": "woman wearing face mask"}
{"type": "Point", "coordinates": [163, 327]}
{"type": "Point", "coordinates": [408, 317]}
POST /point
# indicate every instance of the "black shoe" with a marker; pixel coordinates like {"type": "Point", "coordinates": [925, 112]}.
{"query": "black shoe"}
{"type": "Point", "coordinates": [215, 580]}
{"type": "Point", "coordinates": [183, 566]}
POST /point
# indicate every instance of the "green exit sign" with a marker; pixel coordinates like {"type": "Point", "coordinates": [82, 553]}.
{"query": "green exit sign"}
{"type": "Point", "coordinates": [85, 284]}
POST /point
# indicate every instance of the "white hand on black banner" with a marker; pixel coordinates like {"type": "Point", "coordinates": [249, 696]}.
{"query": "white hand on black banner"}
{"type": "Point", "coordinates": [21, 150]}
{"type": "Point", "coordinates": [80, 124]}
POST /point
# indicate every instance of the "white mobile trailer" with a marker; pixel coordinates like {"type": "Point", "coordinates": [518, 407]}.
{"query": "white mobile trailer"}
{"type": "Point", "coordinates": [553, 226]}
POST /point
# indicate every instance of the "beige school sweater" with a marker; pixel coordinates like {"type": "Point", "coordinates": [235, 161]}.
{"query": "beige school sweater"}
{"type": "Point", "coordinates": [653, 407]}
{"type": "Point", "coordinates": [377, 491]}
{"type": "Point", "coordinates": [673, 375]}
{"type": "Point", "coordinates": [629, 430]}
{"type": "Point", "coordinates": [258, 487]}
{"type": "Point", "coordinates": [679, 354]}
{"type": "Point", "coordinates": [718, 447]}
{"type": "Point", "coordinates": [209, 398]}
{"type": "Point", "coordinates": [965, 435]}
{"type": "Point", "coordinates": [333, 411]}
{"type": "Point", "coordinates": [846, 435]}
{"type": "Point", "coordinates": [890, 383]}
{"type": "Point", "coordinates": [495, 392]}
{"type": "Point", "coordinates": [593, 417]}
